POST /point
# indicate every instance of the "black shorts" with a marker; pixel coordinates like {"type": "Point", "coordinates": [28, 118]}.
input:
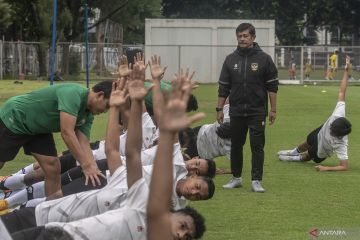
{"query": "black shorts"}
{"type": "Point", "coordinates": [312, 141]}
{"type": "Point", "coordinates": [67, 162]}
{"type": "Point", "coordinates": [19, 220]}
{"type": "Point", "coordinates": [93, 146]}
{"type": "Point", "coordinates": [73, 181]}
{"type": "Point", "coordinates": [10, 144]}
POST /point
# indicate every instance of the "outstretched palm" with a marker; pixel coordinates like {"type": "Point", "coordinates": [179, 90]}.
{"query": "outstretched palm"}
{"type": "Point", "coordinates": [157, 71]}
{"type": "Point", "coordinates": [124, 70]}
{"type": "Point", "coordinates": [173, 117]}
{"type": "Point", "coordinates": [119, 94]}
{"type": "Point", "coordinates": [137, 90]}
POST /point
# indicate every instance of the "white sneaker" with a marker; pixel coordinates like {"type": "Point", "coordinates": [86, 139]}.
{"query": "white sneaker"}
{"type": "Point", "coordinates": [234, 183]}
{"type": "Point", "coordinates": [256, 186]}
{"type": "Point", "coordinates": [288, 153]}
{"type": "Point", "coordinates": [290, 158]}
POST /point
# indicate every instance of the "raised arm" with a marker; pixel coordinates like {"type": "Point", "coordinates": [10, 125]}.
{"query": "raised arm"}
{"type": "Point", "coordinates": [344, 81]}
{"type": "Point", "coordinates": [172, 119]}
{"type": "Point", "coordinates": [157, 73]}
{"type": "Point", "coordinates": [137, 93]}
{"type": "Point", "coordinates": [118, 99]}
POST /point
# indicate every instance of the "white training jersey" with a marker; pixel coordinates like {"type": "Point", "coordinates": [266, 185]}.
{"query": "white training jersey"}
{"type": "Point", "coordinates": [148, 137]}
{"type": "Point", "coordinates": [127, 223]}
{"type": "Point", "coordinates": [85, 204]}
{"type": "Point", "coordinates": [209, 144]}
{"type": "Point", "coordinates": [328, 144]}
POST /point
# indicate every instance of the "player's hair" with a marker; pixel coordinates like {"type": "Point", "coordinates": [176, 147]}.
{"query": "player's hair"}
{"type": "Point", "coordinates": [246, 26]}
{"type": "Point", "coordinates": [187, 139]}
{"type": "Point", "coordinates": [192, 104]}
{"type": "Point", "coordinates": [198, 219]}
{"type": "Point", "coordinates": [103, 86]}
{"type": "Point", "coordinates": [211, 168]}
{"type": "Point", "coordinates": [340, 127]}
{"type": "Point", "coordinates": [211, 186]}
{"type": "Point", "coordinates": [56, 233]}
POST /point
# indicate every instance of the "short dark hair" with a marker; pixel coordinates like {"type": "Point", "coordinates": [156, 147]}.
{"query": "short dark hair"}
{"type": "Point", "coordinates": [211, 168]}
{"type": "Point", "coordinates": [56, 233]}
{"type": "Point", "coordinates": [246, 26]}
{"type": "Point", "coordinates": [340, 127]}
{"type": "Point", "coordinates": [103, 86]}
{"type": "Point", "coordinates": [199, 220]}
{"type": "Point", "coordinates": [187, 139]}
{"type": "Point", "coordinates": [211, 186]}
{"type": "Point", "coordinates": [192, 104]}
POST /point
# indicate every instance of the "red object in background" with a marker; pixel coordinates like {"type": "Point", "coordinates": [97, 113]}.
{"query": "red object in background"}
{"type": "Point", "coordinates": [21, 76]}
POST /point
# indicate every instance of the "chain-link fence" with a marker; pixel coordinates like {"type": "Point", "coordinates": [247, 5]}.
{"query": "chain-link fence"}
{"type": "Point", "coordinates": [296, 64]}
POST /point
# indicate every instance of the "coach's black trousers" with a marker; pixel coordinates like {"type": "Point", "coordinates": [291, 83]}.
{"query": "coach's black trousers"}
{"type": "Point", "coordinates": [239, 127]}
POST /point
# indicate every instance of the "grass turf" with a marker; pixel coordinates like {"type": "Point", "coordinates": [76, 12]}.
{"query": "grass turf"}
{"type": "Point", "coordinates": [297, 198]}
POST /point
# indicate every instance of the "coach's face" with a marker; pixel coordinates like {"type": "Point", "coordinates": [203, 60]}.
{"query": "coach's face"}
{"type": "Point", "coordinates": [195, 189]}
{"type": "Point", "coordinates": [182, 226]}
{"type": "Point", "coordinates": [197, 166]}
{"type": "Point", "coordinates": [245, 39]}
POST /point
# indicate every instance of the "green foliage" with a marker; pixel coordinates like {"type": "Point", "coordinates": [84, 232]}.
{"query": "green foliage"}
{"type": "Point", "coordinates": [5, 15]}
{"type": "Point", "coordinates": [132, 16]}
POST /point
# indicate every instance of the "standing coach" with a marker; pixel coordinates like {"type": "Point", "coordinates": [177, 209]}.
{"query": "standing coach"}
{"type": "Point", "coordinates": [248, 77]}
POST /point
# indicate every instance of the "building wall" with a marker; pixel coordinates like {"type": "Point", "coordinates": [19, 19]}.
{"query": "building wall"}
{"type": "Point", "coordinates": [201, 44]}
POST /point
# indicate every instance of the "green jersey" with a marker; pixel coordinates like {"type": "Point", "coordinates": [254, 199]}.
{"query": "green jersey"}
{"type": "Point", "coordinates": [164, 86]}
{"type": "Point", "coordinates": [38, 112]}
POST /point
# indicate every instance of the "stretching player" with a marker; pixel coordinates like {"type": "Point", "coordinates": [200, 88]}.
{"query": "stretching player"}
{"type": "Point", "coordinates": [328, 138]}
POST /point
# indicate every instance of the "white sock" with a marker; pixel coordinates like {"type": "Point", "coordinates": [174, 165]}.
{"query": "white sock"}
{"type": "Point", "coordinates": [15, 182]}
{"type": "Point", "coordinates": [35, 202]}
{"type": "Point", "coordinates": [25, 170]}
{"type": "Point", "coordinates": [37, 191]}
{"type": "Point", "coordinates": [295, 151]}
{"type": "Point", "coordinates": [295, 158]}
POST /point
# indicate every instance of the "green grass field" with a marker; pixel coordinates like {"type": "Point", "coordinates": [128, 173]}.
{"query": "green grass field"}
{"type": "Point", "coordinates": [297, 198]}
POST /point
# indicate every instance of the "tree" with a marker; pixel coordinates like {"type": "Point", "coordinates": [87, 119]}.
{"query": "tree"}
{"type": "Point", "coordinates": [5, 15]}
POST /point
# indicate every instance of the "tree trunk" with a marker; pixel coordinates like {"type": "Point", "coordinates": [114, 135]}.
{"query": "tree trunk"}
{"type": "Point", "coordinates": [41, 51]}
{"type": "Point", "coordinates": [65, 60]}
{"type": "Point", "coordinates": [99, 66]}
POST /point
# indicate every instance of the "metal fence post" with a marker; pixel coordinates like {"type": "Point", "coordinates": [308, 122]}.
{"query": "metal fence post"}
{"type": "Point", "coordinates": [302, 65]}
{"type": "Point", "coordinates": [179, 56]}
{"type": "Point", "coordinates": [1, 59]}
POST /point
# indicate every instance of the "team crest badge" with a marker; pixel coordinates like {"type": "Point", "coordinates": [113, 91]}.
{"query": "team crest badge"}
{"type": "Point", "coordinates": [254, 67]}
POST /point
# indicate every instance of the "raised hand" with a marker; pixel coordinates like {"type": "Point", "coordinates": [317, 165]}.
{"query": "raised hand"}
{"type": "Point", "coordinates": [119, 93]}
{"type": "Point", "coordinates": [347, 62]}
{"type": "Point", "coordinates": [157, 71]}
{"type": "Point", "coordinates": [140, 61]}
{"type": "Point", "coordinates": [137, 90]}
{"type": "Point", "coordinates": [124, 69]}
{"type": "Point", "coordinates": [173, 117]}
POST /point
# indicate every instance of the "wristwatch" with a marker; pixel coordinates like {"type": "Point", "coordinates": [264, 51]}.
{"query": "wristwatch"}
{"type": "Point", "coordinates": [219, 109]}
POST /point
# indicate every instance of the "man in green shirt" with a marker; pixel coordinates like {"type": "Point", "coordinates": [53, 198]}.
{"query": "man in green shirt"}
{"type": "Point", "coordinates": [29, 120]}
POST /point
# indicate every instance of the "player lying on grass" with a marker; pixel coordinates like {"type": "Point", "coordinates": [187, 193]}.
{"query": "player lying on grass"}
{"type": "Point", "coordinates": [159, 214]}
{"type": "Point", "coordinates": [128, 222]}
{"type": "Point", "coordinates": [208, 141]}
{"type": "Point", "coordinates": [328, 138]}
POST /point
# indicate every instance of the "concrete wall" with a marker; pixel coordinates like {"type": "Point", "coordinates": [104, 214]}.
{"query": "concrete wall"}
{"type": "Point", "coordinates": [201, 44]}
